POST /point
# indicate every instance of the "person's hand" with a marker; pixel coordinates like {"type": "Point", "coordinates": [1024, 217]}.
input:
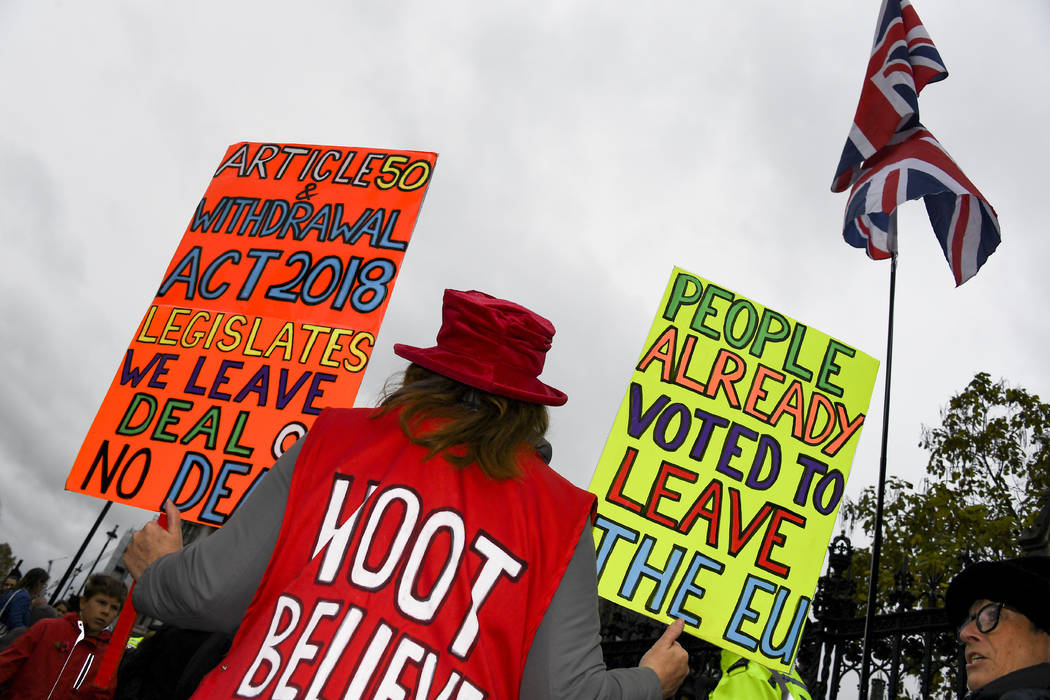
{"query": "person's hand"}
{"type": "Point", "coordinates": [668, 659]}
{"type": "Point", "coordinates": [152, 542]}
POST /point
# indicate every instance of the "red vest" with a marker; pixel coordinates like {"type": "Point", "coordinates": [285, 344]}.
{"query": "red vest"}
{"type": "Point", "coordinates": [396, 576]}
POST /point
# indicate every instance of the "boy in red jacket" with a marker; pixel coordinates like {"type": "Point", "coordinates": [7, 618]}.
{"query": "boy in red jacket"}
{"type": "Point", "coordinates": [57, 658]}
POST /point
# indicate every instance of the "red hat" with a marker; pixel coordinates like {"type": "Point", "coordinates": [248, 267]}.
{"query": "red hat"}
{"type": "Point", "coordinates": [490, 344]}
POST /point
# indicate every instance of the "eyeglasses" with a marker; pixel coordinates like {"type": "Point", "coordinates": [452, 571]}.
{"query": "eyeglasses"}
{"type": "Point", "coordinates": [987, 618]}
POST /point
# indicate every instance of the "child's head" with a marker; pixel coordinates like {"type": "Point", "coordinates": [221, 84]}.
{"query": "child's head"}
{"type": "Point", "coordinates": [101, 602]}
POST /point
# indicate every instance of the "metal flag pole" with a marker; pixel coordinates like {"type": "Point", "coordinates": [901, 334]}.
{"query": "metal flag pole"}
{"type": "Point", "coordinates": [876, 545]}
{"type": "Point", "coordinates": [76, 557]}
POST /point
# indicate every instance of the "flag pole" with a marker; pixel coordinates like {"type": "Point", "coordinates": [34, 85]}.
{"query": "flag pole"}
{"type": "Point", "coordinates": [876, 546]}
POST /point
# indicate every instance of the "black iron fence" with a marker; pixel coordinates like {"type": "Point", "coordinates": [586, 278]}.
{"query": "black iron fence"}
{"type": "Point", "coordinates": [914, 653]}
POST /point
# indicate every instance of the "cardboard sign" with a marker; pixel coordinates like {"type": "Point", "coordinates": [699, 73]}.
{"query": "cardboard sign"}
{"type": "Point", "coordinates": [719, 484]}
{"type": "Point", "coordinates": [267, 313]}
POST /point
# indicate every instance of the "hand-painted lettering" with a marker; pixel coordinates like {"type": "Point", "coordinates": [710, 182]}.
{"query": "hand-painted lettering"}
{"type": "Point", "coordinates": [123, 470]}
{"type": "Point", "coordinates": [719, 314]}
{"type": "Point", "coordinates": [395, 666]}
{"type": "Point", "coordinates": [768, 396]}
{"type": "Point", "coordinates": [318, 164]}
{"type": "Point", "coordinates": [745, 615]}
{"type": "Point", "coordinates": [218, 506]}
{"type": "Point", "coordinates": [379, 538]}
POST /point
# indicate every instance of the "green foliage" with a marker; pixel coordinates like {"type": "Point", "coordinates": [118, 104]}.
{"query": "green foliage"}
{"type": "Point", "coordinates": [988, 473]}
{"type": "Point", "coordinates": [992, 447]}
{"type": "Point", "coordinates": [986, 479]}
{"type": "Point", "coordinates": [7, 558]}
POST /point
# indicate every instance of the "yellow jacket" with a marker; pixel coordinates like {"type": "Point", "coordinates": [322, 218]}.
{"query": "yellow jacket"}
{"type": "Point", "coordinates": [747, 680]}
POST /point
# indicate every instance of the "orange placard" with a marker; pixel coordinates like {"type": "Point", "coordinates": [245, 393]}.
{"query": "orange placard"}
{"type": "Point", "coordinates": [267, 313]}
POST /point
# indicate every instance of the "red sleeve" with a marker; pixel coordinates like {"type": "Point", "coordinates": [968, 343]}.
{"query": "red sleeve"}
{"type": "Point", "coordinates": [12, 658]}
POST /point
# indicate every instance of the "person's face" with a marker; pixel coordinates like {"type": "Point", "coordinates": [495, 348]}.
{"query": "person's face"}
{"type": "Point", "coordinates": [8, 584]}
{"type": "Point", "coordinates": [61, 608]}
{"type": "Point", "coordinates": [97, 612]}
{"type": "Point", "coordinates": [1014, 643]}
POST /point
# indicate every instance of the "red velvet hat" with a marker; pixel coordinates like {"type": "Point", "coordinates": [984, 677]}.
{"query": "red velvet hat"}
{"type": "Point", "coordinates": [490, 344]}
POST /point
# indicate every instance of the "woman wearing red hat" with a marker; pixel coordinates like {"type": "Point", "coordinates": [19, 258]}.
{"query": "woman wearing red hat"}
{"type": "Point", "coordinates": [425, 548]}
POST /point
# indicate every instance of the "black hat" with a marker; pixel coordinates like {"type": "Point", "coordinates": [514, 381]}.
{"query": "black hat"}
{"type": "Point", "coordinates": [1023, 584]}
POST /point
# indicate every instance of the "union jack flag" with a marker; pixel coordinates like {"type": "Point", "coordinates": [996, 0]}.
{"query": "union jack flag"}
{"type": "Point", "coordinates": [903, 62]}
{"type": "Point", "coordinates": [913, 165]}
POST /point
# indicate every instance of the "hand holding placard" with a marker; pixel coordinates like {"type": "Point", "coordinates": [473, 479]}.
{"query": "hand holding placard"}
{"type": "Point", "coordinates": [153, 541]}
{"type": "Point", "coordinates": [720, 482]}
{"type": "Point", "coordinates": [118, 641]}
{"type": "Point", "coordinates": [668, 659]}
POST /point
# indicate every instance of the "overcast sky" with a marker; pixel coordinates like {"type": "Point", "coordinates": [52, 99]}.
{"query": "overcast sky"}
{"type": "Point", "coordinates": [585, 150]}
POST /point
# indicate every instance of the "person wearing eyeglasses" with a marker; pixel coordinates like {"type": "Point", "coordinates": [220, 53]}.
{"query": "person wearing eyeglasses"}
{"type": "Point", "coordinates": [1001, 610]}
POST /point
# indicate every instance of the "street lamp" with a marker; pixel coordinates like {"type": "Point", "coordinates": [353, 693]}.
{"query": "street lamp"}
{"type": "Point", "coordinates": [110, 536]}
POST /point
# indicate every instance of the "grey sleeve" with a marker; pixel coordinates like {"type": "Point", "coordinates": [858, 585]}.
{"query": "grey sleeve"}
{"type": "Point", "coordinates": [565, 661]}
{"type": "Point", "coordinates": [208, 584]}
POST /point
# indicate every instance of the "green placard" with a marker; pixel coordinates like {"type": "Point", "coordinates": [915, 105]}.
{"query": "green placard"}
{"type": "Point", "coordinates": [720, 481]}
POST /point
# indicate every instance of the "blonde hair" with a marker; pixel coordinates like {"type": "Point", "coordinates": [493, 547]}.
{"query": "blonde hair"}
{"type": "Point", "coordinates": [470, 426]}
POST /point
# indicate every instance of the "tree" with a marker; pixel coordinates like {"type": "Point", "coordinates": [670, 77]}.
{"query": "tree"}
{"type": "Point", "coordinates": [987, 477]}
{"type": "Point", "coordinates": [992, 452]}
{"type": "Point", "coordinates": [7, 559]}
